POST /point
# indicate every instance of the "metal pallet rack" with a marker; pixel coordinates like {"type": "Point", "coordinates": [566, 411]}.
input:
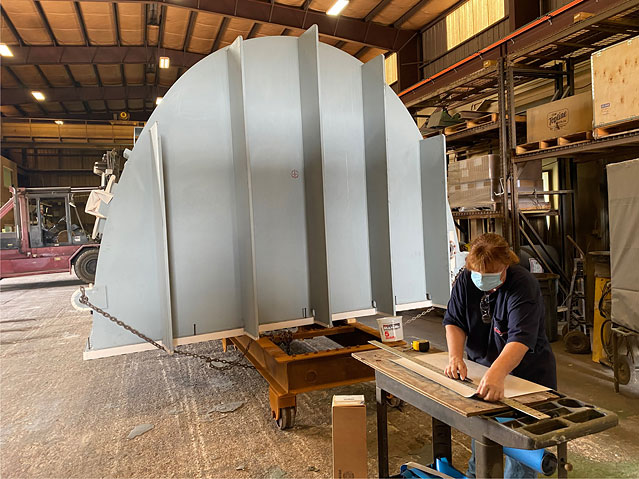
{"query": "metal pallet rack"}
{"type": "Point", "coordinates": [549, 47]}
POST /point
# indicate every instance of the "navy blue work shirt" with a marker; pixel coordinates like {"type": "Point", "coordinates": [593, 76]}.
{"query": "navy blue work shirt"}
{"type": "Point", "coordinates": [517, 314]}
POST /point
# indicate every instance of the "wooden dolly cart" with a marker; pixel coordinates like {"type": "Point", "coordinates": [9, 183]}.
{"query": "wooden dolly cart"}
{"type": "Point", "coordinates": [568, 418]}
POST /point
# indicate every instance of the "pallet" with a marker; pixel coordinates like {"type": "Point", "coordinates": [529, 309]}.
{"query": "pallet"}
{"type": "Point", "coordinates": [571, 139]}
{"type": "Point", "coordinates": [628, 126]}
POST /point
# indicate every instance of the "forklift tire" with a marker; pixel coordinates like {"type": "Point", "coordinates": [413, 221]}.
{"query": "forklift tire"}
{"type": "Point", "coordinates": [85, 265]}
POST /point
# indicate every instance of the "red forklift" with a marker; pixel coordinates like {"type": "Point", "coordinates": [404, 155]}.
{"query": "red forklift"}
{"type": "Point", "coordinates": [47, 234]}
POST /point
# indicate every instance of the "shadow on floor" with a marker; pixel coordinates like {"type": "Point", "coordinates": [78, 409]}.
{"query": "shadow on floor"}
{"type": "Point", "coordinates": [41, 284]}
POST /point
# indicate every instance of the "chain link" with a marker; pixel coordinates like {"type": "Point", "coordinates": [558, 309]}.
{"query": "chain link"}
{"type": "Point", "coordinates": [420, 315]}
{"type": "Point", "coordinates": [210, 360]}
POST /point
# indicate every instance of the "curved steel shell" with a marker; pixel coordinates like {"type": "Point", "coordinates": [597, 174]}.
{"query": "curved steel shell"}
{"type": "Point", "coordinates": [279, 182]}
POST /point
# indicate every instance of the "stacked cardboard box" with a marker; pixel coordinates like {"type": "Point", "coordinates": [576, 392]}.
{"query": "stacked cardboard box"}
{"type": "Point", "coordinates": [475, 183]}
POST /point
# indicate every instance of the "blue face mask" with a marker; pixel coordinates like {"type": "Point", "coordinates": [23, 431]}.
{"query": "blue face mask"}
{"type": "Point", "coordinates": [486, 281]}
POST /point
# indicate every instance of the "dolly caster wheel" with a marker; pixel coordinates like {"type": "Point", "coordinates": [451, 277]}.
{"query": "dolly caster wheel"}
{"type": "Point", "coordinates": [287, 418]}
{"type": "Point", "coordinates": [625, 369]}
{"type": "Point", "coordinates": [393, 401]}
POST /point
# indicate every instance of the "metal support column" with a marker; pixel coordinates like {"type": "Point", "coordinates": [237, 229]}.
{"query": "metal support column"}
{"type": "Point", "coordinates": [382, 433]}
{"type": "Point", "coordinates": [442, 440]}
{"type": "Point", "coordinates": [503, 144]}
{"type": "Point", "coordinates": [513, 169]}
{"type": "Point", "coordinates": [562, 461]}
{"type": "Point", "coordinates": [489, 459]}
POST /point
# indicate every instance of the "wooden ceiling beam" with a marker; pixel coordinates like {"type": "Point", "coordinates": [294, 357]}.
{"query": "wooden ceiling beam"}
{"type": "Point", "coordinates": [340, 44]}
{"type": "Point", "coordinates": [361, 52]}
{"type": "Point", "coordinates": [385, 37]}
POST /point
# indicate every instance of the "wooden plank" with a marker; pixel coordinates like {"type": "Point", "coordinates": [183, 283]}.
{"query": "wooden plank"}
{"type": "Point", "coordinates": [615, 83]}
{"type": "Point", "coordinates": [620, 128]}
{"type": "Point", "coordinates": [382, 361]}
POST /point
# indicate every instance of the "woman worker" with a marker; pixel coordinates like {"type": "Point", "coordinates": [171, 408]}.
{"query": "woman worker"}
{"type": "Point", "coordinates": [497, 311]}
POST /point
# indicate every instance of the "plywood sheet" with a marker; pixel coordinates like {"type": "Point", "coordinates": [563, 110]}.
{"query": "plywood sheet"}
{"type": "Point", "coordinates": [513, 386]}
{"type": "Point", "coordinates": [382, 361]}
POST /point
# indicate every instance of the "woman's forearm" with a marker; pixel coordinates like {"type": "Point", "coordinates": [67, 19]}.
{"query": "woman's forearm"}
{"type": "Point", "coordinates": [456, 339]}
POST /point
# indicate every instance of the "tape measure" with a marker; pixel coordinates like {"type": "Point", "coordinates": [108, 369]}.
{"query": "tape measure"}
{"type": "Point", "coordinates": [421, 345]}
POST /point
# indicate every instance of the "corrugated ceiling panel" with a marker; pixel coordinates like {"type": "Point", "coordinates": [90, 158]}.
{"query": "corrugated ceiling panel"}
{"type": "Point", "coordinates": [204, 32]}
{"type": "Point", "coordinates": [57, 75]}
{"type": "Point", "coordinates": [393, 11]}
{"type": "Point", "coordinates": [428, 13]}
{"type": "Point", "coordinates": [268, 30]}
{"type": "Point", "coordinates": [236, 27]}
{"type": "Point", "coordinates": [167, 76]}
{"type": "Point", "coordinates": [131, 18]}
{"type": "Point", "coordinates": [9, 110]}
{"type": "Point", "coordinates": [110, 75]}
{"type": "Point", "coordinates": [175, 26]}
{"type": "Point", "coordinates": [53, 107]}
{"type": "Point", "coordinates": [27, 21]}
{"type": "Point", "coordinates": [74, 106]}
{"type": "Point", "coordinates": [29, 76]}
{"type": "Point", "coordinates": [64, 22]}
{"type": "Point", "coordinates": [7, 79]}
{"type": "Point", "coordinates": [295, 3]}
{"type": "Point", "coordinates": [134, 73]}
{"type": "Point", "coordinates": [152, 33]}
{"type": "Point", "coordinates": [98, 18]}
{"type": "Point", "coordinates": [7, 35]}
{"type": "Point", "coordinates": [97, 105]}
{"type": "Point", "coordinates": [352, 48]}
{"type": "Point", "coordinates": [84, 74]}
{"type": "Point", "coordinates": [136, 104]}
{"type": "Point", "coordinates": [31, 109]}
{"type": "Point", "coordinates": [116, 105]}
{"type": "Point", "coordinates": [371, 53]}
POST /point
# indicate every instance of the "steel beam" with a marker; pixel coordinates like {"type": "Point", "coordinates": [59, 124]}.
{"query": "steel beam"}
{"type": "Point", "coordinates": [340, 27]}
{"type": "Point", "coordinates": [76, 55]}
{"type": "Point", "coordinates": [18, 96]}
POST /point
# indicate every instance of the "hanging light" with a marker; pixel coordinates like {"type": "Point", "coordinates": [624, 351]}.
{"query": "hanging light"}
{"type": "Point", "coordinates": [337, 7]}
{"type": "Point", "coordinates": [165, 62]}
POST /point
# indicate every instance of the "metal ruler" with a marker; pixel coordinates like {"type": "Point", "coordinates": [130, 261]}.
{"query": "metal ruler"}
{"type": "Point", "coordinates": [505, 401]}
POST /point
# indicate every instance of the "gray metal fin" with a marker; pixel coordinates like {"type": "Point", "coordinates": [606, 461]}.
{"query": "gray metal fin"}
{"type": "Point", "coordinates": [309, 65]}
{"type": "Point", "coordinates": [374, 103]}
{"type": "Point", "coordinates": [245, 228]}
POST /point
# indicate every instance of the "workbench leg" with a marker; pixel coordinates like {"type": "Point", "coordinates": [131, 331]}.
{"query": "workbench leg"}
{"type": "Point", "coordinates": [489, 459]}
{"type": "Point", "coordinates": [382, 433]}
{"type": "Point", "coordinates": [442, 442]}
{"type": "Point", "coordinates": [562, 459]}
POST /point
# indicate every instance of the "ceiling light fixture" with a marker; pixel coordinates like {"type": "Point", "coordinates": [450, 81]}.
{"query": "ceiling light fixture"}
{"type": "Point", "coordinates": [337, 7]}
{"type": "Point", "coordinates": [165, 62]}
{"type": "Point", "coordinates": [38, 95]}
{"type": "Point", "coordinates": [5, 51]}
{"type": "Point", "coordinates": [59, 122]}
{"type": "Point", "coordinates": [158, 100]}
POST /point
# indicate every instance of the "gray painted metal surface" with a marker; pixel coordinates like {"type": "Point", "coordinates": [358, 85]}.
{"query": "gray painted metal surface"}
{"type": "Point", "coordinates": [280, 182]}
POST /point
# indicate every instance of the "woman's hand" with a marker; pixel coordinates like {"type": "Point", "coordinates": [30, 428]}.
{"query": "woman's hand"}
{"type": "Point", "coordinates": [491, 386]}
{"type": "Point", "coordinates": [456, 365]}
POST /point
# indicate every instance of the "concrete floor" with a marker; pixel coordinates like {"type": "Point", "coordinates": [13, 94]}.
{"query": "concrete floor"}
{"type": "Point", "coordinates": [61, 416]}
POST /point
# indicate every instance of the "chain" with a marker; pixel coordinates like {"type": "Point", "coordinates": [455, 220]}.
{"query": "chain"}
{"type": "Point", "coordinates": [420, 315]}
{"type": "Point", "coordinates": [210, 360]}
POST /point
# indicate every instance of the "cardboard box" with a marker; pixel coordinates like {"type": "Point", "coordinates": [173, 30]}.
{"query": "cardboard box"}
{"type": "Point", "coordinates": [559, 118]}
{"type": "Point", "coordinates": [350, 456]}
{"type": "Point", "coordinates": [615, 83]}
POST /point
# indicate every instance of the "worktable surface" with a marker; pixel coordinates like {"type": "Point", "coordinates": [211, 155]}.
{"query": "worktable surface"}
{"type": "Point", "coordinates": [381, 361]}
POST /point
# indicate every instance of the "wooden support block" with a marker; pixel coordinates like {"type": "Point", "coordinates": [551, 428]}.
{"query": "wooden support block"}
{"type": "Point", "coordinates": [620, 128]}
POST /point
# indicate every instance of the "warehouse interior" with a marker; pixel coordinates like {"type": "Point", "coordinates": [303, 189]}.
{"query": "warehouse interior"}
{"type": "Point", "coordinates": [210, 210]}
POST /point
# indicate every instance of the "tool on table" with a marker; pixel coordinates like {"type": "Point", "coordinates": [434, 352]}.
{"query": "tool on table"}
{"type": "Point", "coordinates": [505, 401]}
{"type": "Point", "coordinates": [421, 345]}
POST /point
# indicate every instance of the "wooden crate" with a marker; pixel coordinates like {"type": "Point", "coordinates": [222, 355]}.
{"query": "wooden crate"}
{"type": "Point", "coordinates": [615, 83]}
{"type": "Point", "coordinates": [559, 118]}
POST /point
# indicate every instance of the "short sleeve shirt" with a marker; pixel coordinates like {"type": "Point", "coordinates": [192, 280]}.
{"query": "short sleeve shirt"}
{"type": "Point", "coordinates": [517, 314]}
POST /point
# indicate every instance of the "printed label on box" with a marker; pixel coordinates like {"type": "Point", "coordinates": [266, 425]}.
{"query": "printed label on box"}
{"type": "Point", "coordinates": [558, 119]}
